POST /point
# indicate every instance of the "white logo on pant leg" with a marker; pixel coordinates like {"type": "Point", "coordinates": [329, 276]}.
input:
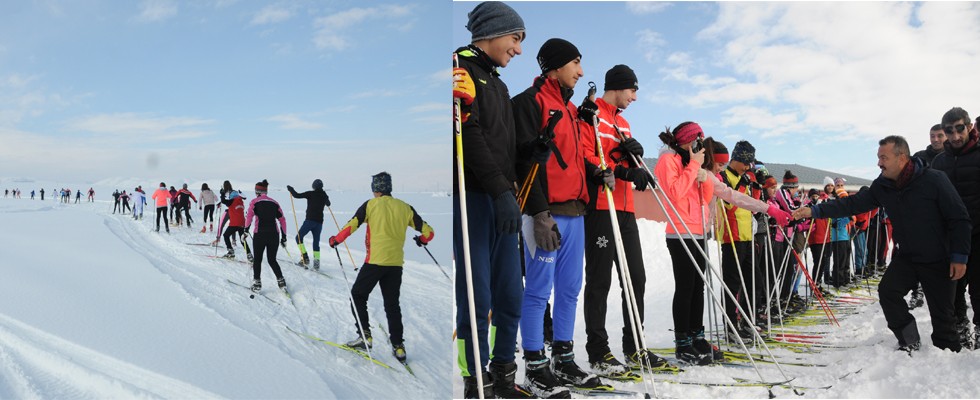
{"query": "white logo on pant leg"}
{"type": "Point", "coordinates": [602, 242]}
{"type": "Point", "coordinates": [546, 259]}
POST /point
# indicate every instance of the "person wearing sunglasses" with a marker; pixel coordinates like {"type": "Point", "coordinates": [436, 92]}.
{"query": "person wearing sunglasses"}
{"type": "Point", "coordinates": [961, 163]}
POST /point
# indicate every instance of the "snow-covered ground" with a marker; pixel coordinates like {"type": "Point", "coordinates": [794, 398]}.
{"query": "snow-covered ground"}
{"type": "Point", "coordinates": [867, 365]}
{"type": "Point", "coordinates": [97, 305]}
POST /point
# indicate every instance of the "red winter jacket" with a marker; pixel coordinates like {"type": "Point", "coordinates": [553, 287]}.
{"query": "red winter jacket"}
{"type": "Point", "coordinates": [609, 122]}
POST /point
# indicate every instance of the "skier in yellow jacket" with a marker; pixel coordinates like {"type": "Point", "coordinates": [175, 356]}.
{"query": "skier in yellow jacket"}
{"type": "Point", "coordinates": [387, 218]}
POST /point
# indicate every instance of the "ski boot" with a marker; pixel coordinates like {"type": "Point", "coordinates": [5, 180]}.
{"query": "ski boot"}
{"type": "Point", "coordinates": [230, 254]}
{"type": "Point", "coordinates": [917, 299]}
{"type": "Point", "coordinates": [316, 264]}
{"type": "Point", "coordinates": [359, 343]}
{"type": "Point", "coordinates": [565, 369]}
{"type": "Point", "coordinates": [610, 367]}
{"type": "Point", "coordinates": [744, 332]}
{"type": "Point", "coordinates": [282, 284]}
{"type": "Point", "coordinates": [470, 389]}
{"type": "Point", "coordinates": [702, 346]}
{"type": "Point", "coordinates": [685, 352]}
{"type": "Point", "coordinates": [304, 262]}
{"type": "Point", "coordinates": [256, 285]}
{"type": "Point", "coordinates": [963, 330]}
{"type": "Point", "coordinates": [647, 359]}
{"type": "Point", "coordinates": [398, 351]}
{"type": "Point", "coordinates": [539, 378]}
{"type": "Point", "coordinates": [250, 257]}
{"type": "Point", "coordinates": [503, 382]}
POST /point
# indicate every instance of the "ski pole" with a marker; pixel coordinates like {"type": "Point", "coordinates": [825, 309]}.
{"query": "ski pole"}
{"type": "Point", "coordinates": [426, 248]}
{"type": "Point", "coordinates": [296, 222]}
{"type": "Point", "coordinates": [350, 296]}
{"type": "Point", "coordinates": [464, 225]}
{"type": "Point", "coordinates": [354, 264]}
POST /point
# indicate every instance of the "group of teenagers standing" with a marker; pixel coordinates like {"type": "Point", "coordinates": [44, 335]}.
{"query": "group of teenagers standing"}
{"type": "Point", "coordinates": [552, 181]}
{"type": "Point", "coordinates": [386, 216]}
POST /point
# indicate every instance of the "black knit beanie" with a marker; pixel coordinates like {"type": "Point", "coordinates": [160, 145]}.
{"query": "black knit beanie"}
{"type": "Point", "coordinates": [555, 53]}
{"type": "Point", "coordinates": [621, 77]}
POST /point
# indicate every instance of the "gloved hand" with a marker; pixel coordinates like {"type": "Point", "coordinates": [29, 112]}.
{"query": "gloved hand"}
{"type": "Point", "coordinates": [702, 175]}
{"type": "Point", "coordinates": [333, 241]}
{"type": "Point", "coordinates": [606, 177]}
{"type": "Point", "coordinates": [546, 234]}
{"type": "Point", "coordinates": [507, 212]}
{"type": "Point", "coordinates": [782, 217]}
{"type": "Point", "coordinates": [327, 198]}
{"type": "Point", "coordinates": [635, 175]}
{"type": "Point", "coordinates": [633, 146]}
{"type": "Point", "coordinates": [290, 189]}
{"type": "Point", "coordinates": [420, 241]}
{"type": "Point", "coordinates": [588, 111]}
{"type": "Point", "coordinates": [282, 239]}
{"type": "Point", "coordinates": [463, 87]}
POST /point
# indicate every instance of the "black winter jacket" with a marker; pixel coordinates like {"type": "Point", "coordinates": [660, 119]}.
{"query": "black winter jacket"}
{"type": "Point", "coordinates": [930, 222]}
{"type": "Point", "coordinates": [316, 201]}
{"type": "Point", "coordinates": [963, 169]}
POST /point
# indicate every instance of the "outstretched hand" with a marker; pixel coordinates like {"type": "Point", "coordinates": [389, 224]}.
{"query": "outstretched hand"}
{"type": "Point", "coordinates": [802, 212]}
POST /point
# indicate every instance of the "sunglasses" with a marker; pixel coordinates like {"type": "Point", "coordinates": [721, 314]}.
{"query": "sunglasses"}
{"type": "Point", "coordinates": [959, 128]}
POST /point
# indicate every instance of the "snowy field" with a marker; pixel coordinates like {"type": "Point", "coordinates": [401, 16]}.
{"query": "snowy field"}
{"type": "Point", "coordinates": [95, 306]}
{"type": "Point", "coordinates": [859, 360]}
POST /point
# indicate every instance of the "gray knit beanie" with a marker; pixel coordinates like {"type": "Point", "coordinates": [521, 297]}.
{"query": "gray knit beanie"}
{"type": "Point", "coordinates": [492, 19]}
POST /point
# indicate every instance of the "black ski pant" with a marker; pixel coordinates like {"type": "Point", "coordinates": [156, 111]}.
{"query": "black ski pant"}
{"type": "Point", "coordinates": [115, 206]}
{"type": "Point", "coordinates": [842, 271]}
{"type": "Point", "coordinates": [162, 211]}
{"type": "Point", "coordinates": [265, 243]}
{"type": "Point", "coordinates": [240, 230]}
{"type": "Point", "coordinates": [208, 213]}
{"type": "Point", "coordinates": [970, 283]}
{"type": "Point", "coordinates": [125, 207]}
{"type": "Point", "coordinates": [820, 272]}
{"type": "Point", "coordinates": [730, 274]}
{"type": "Point", "coordinates": [600, 255]}
{"type": "Point", "coordinates": [900, 278]}
{"type": "Point", "coordinates": [390, 280]}
{"type": "Point", "coordinates": [688, 305]}
{"type": "Point", "coordinates": [187, 213]}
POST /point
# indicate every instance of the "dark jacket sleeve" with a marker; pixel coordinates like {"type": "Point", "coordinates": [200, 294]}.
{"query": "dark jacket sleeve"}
{"type": "Point", "coordinates": [303, 195]}
{"type": "Point", "coordinates": [477, 157]}
{"type": "Point", "coordinates": [957, 219]}
{"type": "Point", "coordinates": [527, 119]}
{"type": "Point", "coordinates": [860, 202]}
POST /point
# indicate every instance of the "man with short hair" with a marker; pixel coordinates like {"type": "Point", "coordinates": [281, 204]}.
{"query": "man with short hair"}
{"type": "Point", "coordinates": [489, 152]}
{"type": "Point", "coordinates": [554, 223]}
{"type": "Point", "coordinates": [937, 140]}
{"type": "Point", "coordinates": [961, 163]}
{"type": "Point", "coordinates": [736, 249]}
{"type": "Point", "coordinates": [932, 236]}
{"type": "Point", "coordinates": [619, 147]}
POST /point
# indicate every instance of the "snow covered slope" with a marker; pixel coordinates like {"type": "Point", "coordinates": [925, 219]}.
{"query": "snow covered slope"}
{"type": "Point", "coordinates": [96, 305]}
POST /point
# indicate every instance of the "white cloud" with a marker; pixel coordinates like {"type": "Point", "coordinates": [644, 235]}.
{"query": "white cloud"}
{"type": "Point", "coordinates": [294, 122]}
{"type": "Point", "coordinates": [767, 124]}
{"type": "Point", "coordinates": [156, 10]}
{"type": "Point", "coordinates": [428, 107]}
{"type": "Point", "coordinates": [860, 69]}
{"type": "Point", "coordinates": [334, 32]}
{"type": "Point", "coordinates": [646, 7]}
{"type": "Point", "coordinates": [143, 126]}
{"type": "Point", "coordinates": [272, 14]}
{"type": "Point", "coordinates": [651, 44]}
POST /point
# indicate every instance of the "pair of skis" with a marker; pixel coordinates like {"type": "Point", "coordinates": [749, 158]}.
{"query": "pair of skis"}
{"type": "Point", "coordinates": [358, 352]}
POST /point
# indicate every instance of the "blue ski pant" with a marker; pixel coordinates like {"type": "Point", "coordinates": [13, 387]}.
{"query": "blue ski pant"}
{"type": "Point", "coordinates": [497, 285]}
{"type": "Point", "coordinates": [860, 251]}
{"type": "Point", "coordinates": [560, 270]}
{"type": "Point", "coordinates": [310, 227]}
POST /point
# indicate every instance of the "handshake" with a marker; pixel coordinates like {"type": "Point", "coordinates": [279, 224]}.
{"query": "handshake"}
{"type": "Point", "coordinates": [802, 212]}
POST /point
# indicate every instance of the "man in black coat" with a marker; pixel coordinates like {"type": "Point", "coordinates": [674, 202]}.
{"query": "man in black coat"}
{"type": "Point", "coordinates": [937, 141]}
{"type": "Point", "coordinates": [932, 236]}
{"type": "Point", "coordinates": [961, 163]}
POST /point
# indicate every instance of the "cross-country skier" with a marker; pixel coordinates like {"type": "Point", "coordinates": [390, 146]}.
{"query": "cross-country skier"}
{"type": "Point", "coordinates": [115, 200]}
{"type": "Point", "coordinates": [234, 217]}
{"type": "Point", "coordinates": [265, 236]}
{"type": "Point", "coordinates": [42, 194]}
{"type": "Point", "coordinates": [316, 201]}
{"type": "Point", "coordinates": [387, 218]}
{"type": "Point", "coordinates": [139, 200]}
{"type": "Point", "coordinates": [91, 195]}
{"type": "Point", "coordinates": [162, 198]}
{"type": "Point", "coordinates": [78, 196]}
{"type": "Point", "coordinates": [184, 198]}
{"type": "Point", "coordinates": [208, 200]}
{"type": "Point", "coordinates": [124, 197]}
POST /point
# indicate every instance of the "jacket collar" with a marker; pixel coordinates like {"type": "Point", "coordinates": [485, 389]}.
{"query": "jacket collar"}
{"type": "Point", "coordinates": [551, 85]}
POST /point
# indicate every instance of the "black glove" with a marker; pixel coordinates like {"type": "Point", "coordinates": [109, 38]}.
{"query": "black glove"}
{"type": "Point", "coordinates": [546, 234]}
{"type": "Point", "coordinates": [633, 146]}
{"type": "Point", "coordinates": [418, 241]}
{"type": "Point", "coordinates": [290, 188]}
{"type": "Point", "coordinates": [282, 240]}
{"type": "Point", "coordinates": [635, 175]}
{"type": "Point", "coordinates": [606, 177]}
{"type": "Point", "coordinates": [507, 212]}
{"type": "Point", "coordinates": [327, 198]}
{"type": "Point", "coordinates": [541, 146]}
{"type": "Point", "coordinates": [588, 111]}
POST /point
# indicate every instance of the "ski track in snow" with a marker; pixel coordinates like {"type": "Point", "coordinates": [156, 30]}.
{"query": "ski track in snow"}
{"type": "Point", "coordinates": [35, 364]}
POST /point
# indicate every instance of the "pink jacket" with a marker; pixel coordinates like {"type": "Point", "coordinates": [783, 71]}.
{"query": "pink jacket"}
{"type": "Point", "coordinates": [682, 189]}
{"type": "Point", "coordinates": [162, 195]}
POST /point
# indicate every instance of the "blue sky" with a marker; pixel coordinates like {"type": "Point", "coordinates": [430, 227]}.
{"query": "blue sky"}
{"type": "Point", "coordinates": [816, 84]}
{"type": "Point", "coordinates": [186, 90]}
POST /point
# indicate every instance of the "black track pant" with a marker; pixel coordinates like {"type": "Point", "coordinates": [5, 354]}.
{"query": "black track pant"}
{"type": "Point", "coordinates": [730, 273]}
{"type": "Point", "coordinates": [900, 278]}
{"type": "Point", "coordinates": [842, 257]}
{"type": "Point", "coordinates": [821, 263]}
{"type": "Point", "coordinates": [208, 213]}
{"type": "Point", "coordinates": [390, 280]}
{"type": "Point", "coordinates": [688, 306]}
{"type": "Point", "coordinates": [600, 255]}
{"type": "Point", "coordinates": [265, 243]}
{"type": "Point", "coordinates": [231, 230]}
{"type": "Point", "coordinates": [162, 211]}
{"type": "Point", "coordinates": [970, 283]}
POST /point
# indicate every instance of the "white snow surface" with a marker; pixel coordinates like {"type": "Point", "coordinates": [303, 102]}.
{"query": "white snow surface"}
{"type": "Point", "coordinates": [867, 367]}
{"type": "Point", "coordinates": [95, 305]}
